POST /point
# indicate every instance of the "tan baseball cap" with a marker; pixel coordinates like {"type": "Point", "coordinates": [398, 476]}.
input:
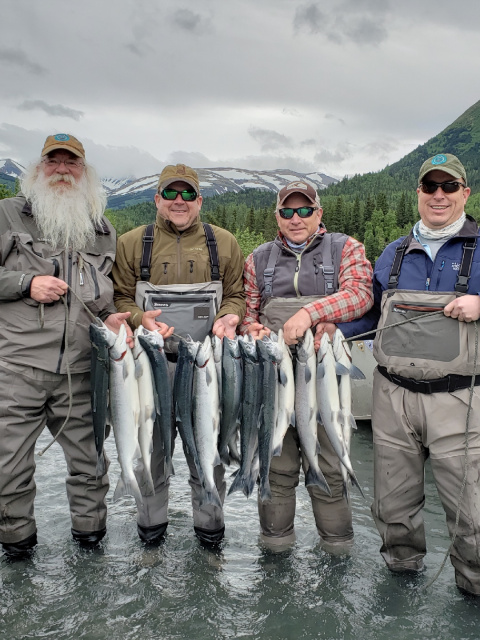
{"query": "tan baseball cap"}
{"type": "Point", "coordinates": [444, 162]}
{"type": "Point", "coordinates": [178, 173]}
{"type": "Point", "coordinates": [63, 141]}
{"type": "Point", "coordinates": [299, 186]}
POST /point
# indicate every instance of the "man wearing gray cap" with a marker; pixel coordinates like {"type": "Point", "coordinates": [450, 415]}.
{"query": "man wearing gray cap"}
{"type": "Point", "coordinates": [56, 251]}
{"type": "Point", "coordinates": [180, 254]}
{"type": "Point", "coordinates": [305, 278]}
{"type": "Point", "coordinates": [425, 392]}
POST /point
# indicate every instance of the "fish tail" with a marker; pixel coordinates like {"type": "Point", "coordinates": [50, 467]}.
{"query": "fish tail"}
{"type": "Point", "coordinates": [101, 469]}
{"type": "Point", "coordinates": [357, 484]}
{"type": "Point", "coordinates": [265, 493]}
{"type": "Point", "coordinates": [212, 497]}
{"type": "Point", "coordinates": [238, 483]}
{"type": "Point", "coordinates": [316, 478]}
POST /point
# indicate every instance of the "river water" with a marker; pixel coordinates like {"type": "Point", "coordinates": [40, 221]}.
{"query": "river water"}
{"type": "Point", "coordinates": [181, 591]}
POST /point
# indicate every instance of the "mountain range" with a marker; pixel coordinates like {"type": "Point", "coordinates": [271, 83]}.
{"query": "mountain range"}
{"type": "Point", "coordinates": [124, 192]}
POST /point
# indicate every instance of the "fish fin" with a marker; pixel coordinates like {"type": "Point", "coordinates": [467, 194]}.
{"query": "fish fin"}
{"type": "Point", "coordinates": [238, 482]}
{"type": "Point", "coordinates": [356, 373]}
{"type": "Point", "coordinates": [282, 378]}
{"type": "Point", "coordinates": [320, 370]}
{"type": "Point", "coordinates": [127, 489]}
{"type": "Point", "coordinates": [265, 493]}
{"type": "Point", "coordinates": [217, 460]}
{"type": "Point", "coordinates": [308, 374]}
{"type": "Point", "coordinates": [351, 421]}
{"type": "Point", "coordinates": [101, 469]}
{"type": "Point", "coordinates": [313, 478]}
{"type": "Point", "coordinates": [318, 448]}
{"type": "Point", "coordinates": [292, 419]}
{"type": "Point", "coordinates": [341, 369]}
{"type": "Point", "coordinates": [357, 484]}
{"type": "Point", "coordinates": [138, 369]}
{"type": "Point", "coordinates": [319, 417]}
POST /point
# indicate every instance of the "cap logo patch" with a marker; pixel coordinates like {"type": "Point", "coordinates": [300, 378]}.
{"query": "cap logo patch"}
{"type": "Point", "coordinates": [297, 185]}
{"type": "Point", "coordinates": [62, 137]}
{"type": "Point", "coordinates": [439, 159]}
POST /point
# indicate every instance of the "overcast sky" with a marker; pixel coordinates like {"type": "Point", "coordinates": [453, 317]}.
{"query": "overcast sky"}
{"type": "Point", "coordinates": [338, 87]}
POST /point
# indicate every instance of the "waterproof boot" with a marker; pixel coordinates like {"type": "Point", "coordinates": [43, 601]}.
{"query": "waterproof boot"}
{"type": "Point", "coordinates": [22, 549]}
{"type": "Point", "coordinates": [208, 538]}
{"type": "Point", "coordinates": [152, 535]}
{"type": "Point", "coordinates": [88, 539]}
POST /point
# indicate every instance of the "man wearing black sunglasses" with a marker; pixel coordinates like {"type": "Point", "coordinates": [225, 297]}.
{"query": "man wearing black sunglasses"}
{"type": "Point", "coordinates": [193, 271]}
{"type": "Point", "coordinates": [426, 402]}
{"type": "Point", "coordinates": [305, 278]}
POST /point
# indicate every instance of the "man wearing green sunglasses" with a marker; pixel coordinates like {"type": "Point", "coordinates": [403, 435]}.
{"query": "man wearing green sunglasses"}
{"type": "Point", "coordinates": [306, 278]}
{"type": "Point", "coordinates": [194, 272]}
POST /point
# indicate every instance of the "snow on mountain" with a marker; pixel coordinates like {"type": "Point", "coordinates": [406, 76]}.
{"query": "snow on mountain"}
{"type": "Point", "coordinates": [11, 168]}
{"type": "Point", "coordinates": [123, 192]}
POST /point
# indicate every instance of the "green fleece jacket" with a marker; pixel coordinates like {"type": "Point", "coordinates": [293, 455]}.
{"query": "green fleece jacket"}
{"type": "Point", "coordinates": [178, 258]}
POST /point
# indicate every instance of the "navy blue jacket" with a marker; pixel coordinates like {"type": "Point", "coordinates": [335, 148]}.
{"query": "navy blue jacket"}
{"type": "Point", "coordinates": [419, 273]}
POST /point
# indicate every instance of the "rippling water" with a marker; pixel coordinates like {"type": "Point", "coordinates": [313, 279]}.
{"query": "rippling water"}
{"type": "Point", "coordinates": [181, 591]}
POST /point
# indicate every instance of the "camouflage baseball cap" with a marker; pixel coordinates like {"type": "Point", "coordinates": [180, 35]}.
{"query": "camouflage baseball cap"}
{"type": "Point", "coordinates": [444, 162]}
{"type": "Point", "coordinates": [299, 186]}
{"type": "Point", "coordinates": [178, 173]}
{"type": "Point", "coordinates": [63, 141]}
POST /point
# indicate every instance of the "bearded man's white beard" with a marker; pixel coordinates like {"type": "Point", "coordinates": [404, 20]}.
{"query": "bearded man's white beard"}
{"type": "Point", "coordinates": [65, 210]}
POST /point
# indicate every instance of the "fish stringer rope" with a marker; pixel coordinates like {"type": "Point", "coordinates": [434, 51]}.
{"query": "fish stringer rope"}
{"type": "Point", "coordinates": [69, 375]}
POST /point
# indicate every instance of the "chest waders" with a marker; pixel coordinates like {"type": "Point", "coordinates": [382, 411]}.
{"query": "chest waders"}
{"type": "Point", "coordinates": [436, 354]}
{"type": "Point", "coordinates": [276, 310]}
{"type": "Point", "coordinates": [190, 308]}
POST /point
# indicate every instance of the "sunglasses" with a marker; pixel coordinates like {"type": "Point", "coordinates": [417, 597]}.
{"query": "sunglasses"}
{"type": "Point", "coordinates": [302, 212]}
{"type": "Point", "coordinates": [429, 186]}
{"type": "Point", "coordinates": [171, 194]}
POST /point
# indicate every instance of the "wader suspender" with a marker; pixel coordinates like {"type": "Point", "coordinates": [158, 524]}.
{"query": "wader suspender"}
{"type": "Point", "coordinates": [146, 258]}
{"type": "Point", "coordinates": [463, 276]}
{"type": "Point", "coordinates": [327, 267]}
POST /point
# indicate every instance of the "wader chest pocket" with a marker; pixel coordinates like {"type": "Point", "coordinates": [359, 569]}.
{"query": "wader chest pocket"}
{"type": "Point", "coordinates": [191, 314]}
{"type": "Point", "coordinates": [428, 338]}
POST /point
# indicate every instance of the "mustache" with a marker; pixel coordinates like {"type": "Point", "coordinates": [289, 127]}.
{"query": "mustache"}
{"type": "Point", "coordinates": [57, 177]}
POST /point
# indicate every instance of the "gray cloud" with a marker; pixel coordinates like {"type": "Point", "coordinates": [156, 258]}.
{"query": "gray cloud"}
{"type": "Point", "coordinates": [20, 59]}
{"type": "Point", "coordinates": [188, 20]}
{"type": "Point", "coordinates": [335, 156]}
{"type": "Point", "coordinates": [51, 109]}
{"type": "Point", "coordinates": [330, 116]}
{"type": "Point", "coordinates": [269, 140]}
{"type": "Point", "coordinates": [190, 158]}
{"type": "Point", "coordinates": [348, 21]}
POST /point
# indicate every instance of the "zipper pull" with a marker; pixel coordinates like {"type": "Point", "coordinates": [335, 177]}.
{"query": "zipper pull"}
{"type": "Point", "coordinates": [427, 284]}
{"type": "Point", "coordinates": [81, 265]}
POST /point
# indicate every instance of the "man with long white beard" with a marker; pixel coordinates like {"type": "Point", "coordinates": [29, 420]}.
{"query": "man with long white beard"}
{"type": "Point", "coordinates": [56, 252]}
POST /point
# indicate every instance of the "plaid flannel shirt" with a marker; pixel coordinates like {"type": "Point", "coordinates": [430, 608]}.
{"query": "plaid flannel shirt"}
{"type": "Point", "coordinates": [352, 300]}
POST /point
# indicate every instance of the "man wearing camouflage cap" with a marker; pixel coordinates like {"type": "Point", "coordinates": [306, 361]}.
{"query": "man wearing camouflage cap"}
{"type": "Point", "coordinates": [179, 253]}
{"type": "Point", "coordinates": [56, 252]}
{"type": "Point", "coordinates": [425, 394]}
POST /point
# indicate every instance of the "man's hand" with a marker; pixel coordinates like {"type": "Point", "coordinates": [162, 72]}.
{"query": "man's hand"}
{"type": "Point", "coordinates": [257, 330]}
{"type": "Point", "coordinates": [465, 308]}
{"type": "Point", "coordinates": [115, 320]}
{"type": "Point", "coordinates": [149, 322]}
{"type": "Point", "coordinates": [47, 289]}
{"type": "Point", "coordinates": [295, 327]}
{"type": "Point", "coordinates": [320, 329]}
{"type": "Point", "coordinates": [226, 326]}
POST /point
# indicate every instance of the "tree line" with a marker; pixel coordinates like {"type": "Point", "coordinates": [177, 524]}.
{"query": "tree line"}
{"type": "Point", "coordinates": [374, 217]}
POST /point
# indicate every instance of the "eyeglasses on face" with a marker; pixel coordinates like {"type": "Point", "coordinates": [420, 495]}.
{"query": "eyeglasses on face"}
{"type": "Point", "coordinates": [451, 186]}
{"type": "Point", "coordinates": [302, 212]}
{"type": "Point", "coordinates": [188, 195]}
{"type": "Point", "coordinates": [56, 162]}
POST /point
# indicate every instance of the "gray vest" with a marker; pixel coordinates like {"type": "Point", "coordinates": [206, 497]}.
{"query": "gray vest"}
{"type": "Point", "coordinates": [287, 281]}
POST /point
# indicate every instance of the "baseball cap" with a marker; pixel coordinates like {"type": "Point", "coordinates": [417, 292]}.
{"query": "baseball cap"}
{"type": "Point", "coordinates": [444, 162]}
{"type": "Point", "coordinates": [63, 141]}
{"type": "Point", "coordinates": [299, 186]}
{"type": "Point", "coordinates": [178, 173]}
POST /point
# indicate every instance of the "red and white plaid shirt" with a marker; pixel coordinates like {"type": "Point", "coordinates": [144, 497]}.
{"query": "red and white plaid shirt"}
{"type": "Point", "coordinates": [352, 300]}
